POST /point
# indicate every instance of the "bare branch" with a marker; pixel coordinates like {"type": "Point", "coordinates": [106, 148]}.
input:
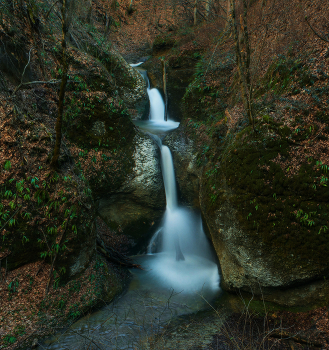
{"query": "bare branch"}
{"type": "Point", "coordinates": [322, 37]}
{"type": "Point", "coordinates": [52, 6]}
{"type": "Point", "coordinates": [10, 219]}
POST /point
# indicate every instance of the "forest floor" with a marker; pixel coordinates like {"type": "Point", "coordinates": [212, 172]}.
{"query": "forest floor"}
{"type": "Point", "coordinates": [28, 314]}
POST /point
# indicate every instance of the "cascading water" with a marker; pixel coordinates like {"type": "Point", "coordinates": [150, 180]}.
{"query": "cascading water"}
{"type": "Point", "coordinates": [156, 123]}
{"type": "Point", "coordinates": [182, 259]}
{"type": "Point", "coordinates": [168, 174]}
{"type": "Point", "coordinates": [157, 109]}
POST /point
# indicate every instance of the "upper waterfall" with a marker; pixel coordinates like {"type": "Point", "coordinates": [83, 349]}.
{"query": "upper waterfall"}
{"type": "Point", "coordinates": [157, 107]}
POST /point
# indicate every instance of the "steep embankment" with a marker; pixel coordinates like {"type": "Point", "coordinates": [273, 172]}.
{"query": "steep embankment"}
{"type": "Point", "coordinates": [50, 271]}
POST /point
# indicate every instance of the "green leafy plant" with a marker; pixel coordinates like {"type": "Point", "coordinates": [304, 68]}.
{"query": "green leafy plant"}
{"type": "Point", "coordinates": [7, 165]}
{"type": "Point", "coordinates": [13, 286]}
{"type": "Point", "coordinates": [323, 229]}
{"type": "Point", "coordinates": [9, 339]}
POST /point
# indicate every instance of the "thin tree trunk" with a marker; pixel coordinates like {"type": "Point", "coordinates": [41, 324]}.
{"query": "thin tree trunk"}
{"type": "Point", "coordinates": [59, 121]}
{"type": "Point", "coordinates": [130, 7]}
{"type": "Point", "coordinates": [247, 64]}
{"type": "Point", "coordinates": [164, 79]}
{"type": "Point", "coordinates": [243, 59]}
{"type": "Point", "coordinates": [229, 10]}
{"type": "Point", "coordinates": [208, 7]}
{"type": "Point", "coordinates": [195, 11]}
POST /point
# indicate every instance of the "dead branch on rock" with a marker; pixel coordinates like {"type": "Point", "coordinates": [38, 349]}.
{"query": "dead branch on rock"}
{"type": "Point", "coordinates": [297, 338]}
{"type": "Point", "coordinates": [115, 256]}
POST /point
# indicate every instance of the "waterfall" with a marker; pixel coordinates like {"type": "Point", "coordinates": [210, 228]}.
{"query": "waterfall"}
{"type": "Point", "coordinates": [168, 174]}
{"type": "Point", "coordinates": [157, 108]}
{"type": "Point", "coordinates": [180, 256]}
{"type": "Point", "coordinates": [156, 123]}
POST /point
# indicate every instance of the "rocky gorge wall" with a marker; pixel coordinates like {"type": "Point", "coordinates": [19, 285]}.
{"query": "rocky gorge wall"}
{"type": "Point", "coordinates": [249, 262]}
{"type": "Point", "coordinates": [262, 194]}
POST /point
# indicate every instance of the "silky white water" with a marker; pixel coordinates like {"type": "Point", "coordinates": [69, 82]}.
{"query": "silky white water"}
{"type": "Point", "coordinates": [183, 258]}
{"type": "Point", "coordinates": [168, 174]}
{"type": "Point", "coordinates": [157, 112]}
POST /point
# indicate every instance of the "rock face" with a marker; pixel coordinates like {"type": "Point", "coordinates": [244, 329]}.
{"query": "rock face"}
{"type": "Point", "coordinates": [124, 172]}
{"type": "Point", "coordinates": [179, 75]}
{"type": "Point", "coordinates": [139, 203]}
{"type": "Point", "coordinates": [248, 261]}
{"type": "Point", "coordinates": [131, 88]}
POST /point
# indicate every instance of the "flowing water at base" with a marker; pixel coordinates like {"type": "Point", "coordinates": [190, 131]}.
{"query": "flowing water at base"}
{"type": "Point", "coordinates": [150, 303]}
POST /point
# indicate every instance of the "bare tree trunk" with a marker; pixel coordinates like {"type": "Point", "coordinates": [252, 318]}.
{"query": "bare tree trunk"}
{"type": "Point", "coordinates": [59, 121]}
{"type": "Point", "coordinates": [195, 11]}
{"type": "Point", "coordinates": [130, 7]}
{"type": "Point", "coordinates": [247, 63]}
{"type": "Point", "coordinates": [243, 54]}
{"type": "Point", "coordinates": [208, 7]}
{"type": "Point", "coordinates": [229, 10]}
{"type": "Point", "coordinates": [164, 79]}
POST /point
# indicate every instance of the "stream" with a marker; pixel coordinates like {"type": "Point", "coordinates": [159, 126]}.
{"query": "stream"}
{"type": "Point", "coordinates": [179, 277]}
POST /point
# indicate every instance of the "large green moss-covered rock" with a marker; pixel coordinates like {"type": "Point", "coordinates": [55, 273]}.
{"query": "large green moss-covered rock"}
{"type": "Point", "coordinates": [120, 163]}
{"type": "Point", "coordinates": [268, 226]}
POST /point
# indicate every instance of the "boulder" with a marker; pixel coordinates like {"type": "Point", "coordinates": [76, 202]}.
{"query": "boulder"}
{"type": "Point", "coordinates": [250, 260]}
{"type": "Point", "coordinates": [139, 203]}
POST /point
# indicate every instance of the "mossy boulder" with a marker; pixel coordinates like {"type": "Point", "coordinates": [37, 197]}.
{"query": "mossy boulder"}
{"type": "Point", "coordinates": [163, 42]}
{"type": "Point", "coordinates": [268, 225]}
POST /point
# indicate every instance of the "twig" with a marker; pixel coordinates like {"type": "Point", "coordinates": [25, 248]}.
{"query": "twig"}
{"type": "Point", "coordinates": [40, 267]}
{"type": "Point", "coordinates": [26, 65]}
{"type": "Point", "coordinates": [52, 6]}
{"type": "Point", "coordinates": [315, 32]}
{"type": "Point", "coordinates": [36, 82]}
{"type": "Point", "coordinates": [45, 240]}
{"type": "Point", "coordinates": [10, 219]}
{"type": "Point", "coordinates": [295, 338]}
{"type": "Point", "coordinates": [53, 262]}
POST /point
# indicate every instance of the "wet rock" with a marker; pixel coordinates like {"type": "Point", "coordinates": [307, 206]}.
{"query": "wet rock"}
{"type": "Point", "coordinates": [131, 85]}
{"type": "Point", "coordinates": [135, 207]}
{"type": "Point", "coordinates": [250, 264]}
